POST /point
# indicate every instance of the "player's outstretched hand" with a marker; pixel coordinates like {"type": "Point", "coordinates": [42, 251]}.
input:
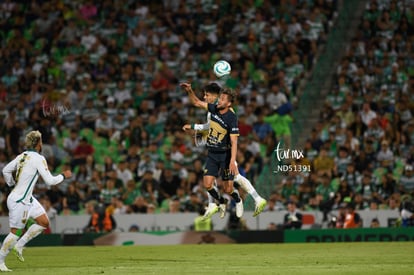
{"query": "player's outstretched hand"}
{"type": "Point", "coordinates": [186, 86]}
{"type": "Point", "coordinates": [234, 170]}
{"type": "Point", "coordinates": [67, 173]}
{"type": "Point", "coordinates": [187, 127]}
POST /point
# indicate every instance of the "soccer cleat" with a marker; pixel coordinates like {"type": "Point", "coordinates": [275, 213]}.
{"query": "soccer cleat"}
{"type": "Point", "coordinates": [4, 268]}
{"type": "Point", "coordinates": [239, 209]}
{"type": "Point", "coordinates": [212, 208]}
{"type": "Point", "coordinates": [222, 208]}
{"type": "Point", "coordinates": [259, 207]}
{"type": "Point", "coordinates": [19, 253]}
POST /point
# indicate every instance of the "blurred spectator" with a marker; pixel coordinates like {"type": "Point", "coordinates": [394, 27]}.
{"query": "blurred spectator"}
{"type": "Point", "coordinates": [140, 205]}
{"type": "Point", "coordinates": [100, 219]}
{"type": "Point", "coordinates": [271, 226]}
{"type": "Point", "coordinates": [407, 213]}
{"type": "Point", "coordinates": [133, 228]}
{"type": "Point", "coordinates": [352, 218]}
{"type": "Point", "coordinates": [292, 219]}
{"type": "Point", "coordinates": [375, 223]}
{"type": "Point", "coordinates": [123, 173]}
{"type": "Point", "coordinates": [73, 197]}
{"type": "Point", "coordinates": [367, 115]}
{"type": "Point", "coordinates": [325, 193]}
{"type": "Point", "coordinates": [339, 220]}
{"type": "Point", "coordinates": [71, 142]}
{"type": "Point", "coordinates": [192, 203]}
{"type": "Point", "coordinates": [169, 183]}
{"type": "Point", "coordinates": [103, 125]}
{"type": "Point", "coordinates": [108, 192]}
{"type": "Point", "coordinates": [323, 163]}
{"type": "Point", "coordinates": [81, 152]}
{"type": "Point", "coordinates": [289, 188]}
{"type": "Point", "coordinates": [150, 188]}
{"type": "Point", "coordinates": [130, 193]}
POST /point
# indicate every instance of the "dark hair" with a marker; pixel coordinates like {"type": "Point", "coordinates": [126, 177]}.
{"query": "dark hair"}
{"type": "Point", "coordinates": [212, 88]}
{"type": "Point", "coordinates": [230, 93]}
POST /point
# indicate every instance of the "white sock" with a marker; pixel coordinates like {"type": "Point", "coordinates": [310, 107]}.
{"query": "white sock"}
{"type": "Point", "coordinates": [33, 231]}
{"type": "Point", "coordinates": [8, 244]}
{"type": "Point", "coordinates": [247, 186]}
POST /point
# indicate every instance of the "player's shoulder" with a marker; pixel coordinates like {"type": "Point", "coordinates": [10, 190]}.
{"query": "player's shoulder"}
{"type": "Point", "coordinates": [34, 155]}
{"type": "Point", "coordinates": [231, 114]}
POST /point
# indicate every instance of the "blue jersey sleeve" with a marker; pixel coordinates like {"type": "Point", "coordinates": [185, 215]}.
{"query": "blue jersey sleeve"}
{"type": "Point", "coordinates": [212, 108]}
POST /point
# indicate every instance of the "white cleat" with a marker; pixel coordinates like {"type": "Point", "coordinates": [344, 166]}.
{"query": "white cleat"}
{"type": "Point", "coordinates": [212, 208]}
{"type": "Point", "coordinates": [19, 253]}
{"type": "Point", "coordinates": [4, 268]}
{"type": "Point", "coordinates": [260, 206]}
{"type": "Point", "coordinates": [223, 208]}
{"type": "Point", "coordinates": [239, 208]}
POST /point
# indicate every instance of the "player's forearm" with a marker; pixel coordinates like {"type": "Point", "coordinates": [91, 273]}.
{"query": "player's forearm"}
{"type": "Point", "coordinates": [49, 179]}
{"type": "Point", "coordinates": [193, 98]}
{"type": "Point", "coordinates": [197, 102]}
{"type": "Point", "coordinates": [233, 148]}
{"type": "Point", "coordinates": [8, 173]}
{"type": "Point", "coordinates": [8, 177]}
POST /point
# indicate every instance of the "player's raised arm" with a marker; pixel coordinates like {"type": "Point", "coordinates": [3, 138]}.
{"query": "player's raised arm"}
{"type": "Point", "coordinates": [47, 177]}
{"type": "Point", "coordinates": [193, 98]}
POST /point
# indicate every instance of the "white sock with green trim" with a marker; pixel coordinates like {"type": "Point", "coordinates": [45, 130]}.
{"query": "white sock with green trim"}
{"type": "Point", "coordinates": [247, 186]}
{"type": "Point", "coordinates": [8, 244]}
{"type": "Point", "coordinates": [33, 231]}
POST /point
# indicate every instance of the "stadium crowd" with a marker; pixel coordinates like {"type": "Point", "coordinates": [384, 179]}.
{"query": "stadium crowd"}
{"type": "Point", "coordinates": [100, 79]}
{"type": "Point", "coordinates": [361, 150]}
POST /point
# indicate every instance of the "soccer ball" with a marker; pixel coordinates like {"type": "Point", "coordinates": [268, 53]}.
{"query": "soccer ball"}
{"type": "Point", "coordinates": [222, 68]}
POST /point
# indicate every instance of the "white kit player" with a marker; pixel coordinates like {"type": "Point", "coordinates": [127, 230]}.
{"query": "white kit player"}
{"type": "Point", "coordinates": [211, 92]}
{"type": "Point", "coordinates": [23, 173]}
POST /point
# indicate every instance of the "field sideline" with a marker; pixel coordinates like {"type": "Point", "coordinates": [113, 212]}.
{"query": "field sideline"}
{"type": "Point", "coordinates": [328, 258]}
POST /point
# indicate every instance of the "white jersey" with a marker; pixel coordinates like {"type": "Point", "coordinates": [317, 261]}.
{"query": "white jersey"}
{"type": "Point", "coordinates": [28, 166]}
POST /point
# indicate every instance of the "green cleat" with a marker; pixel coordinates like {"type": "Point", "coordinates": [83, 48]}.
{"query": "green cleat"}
{"type": "Point", "coordinates": [212, 208]}
{"type": "Point", "coordinates": [4, 268]}
{"type": "Point", "coordinates": [19, 253]}
{"type": "Point", "coordinates": [259, 207]}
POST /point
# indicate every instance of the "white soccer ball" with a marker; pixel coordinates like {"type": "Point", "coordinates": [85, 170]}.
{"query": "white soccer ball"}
{"type": "Point", "coordinates": [222, 68]}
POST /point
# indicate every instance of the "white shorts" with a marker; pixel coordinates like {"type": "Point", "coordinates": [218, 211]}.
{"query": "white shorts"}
{"type": "Point", "coordinates": [20, 212]}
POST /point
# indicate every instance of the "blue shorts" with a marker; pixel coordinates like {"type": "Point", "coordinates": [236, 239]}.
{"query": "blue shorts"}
{"type": "Point", "coordinates": [217, 164]}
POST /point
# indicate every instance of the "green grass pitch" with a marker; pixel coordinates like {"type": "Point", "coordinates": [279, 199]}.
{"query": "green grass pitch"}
{"type": "Point", "coordinates": [327, 258]}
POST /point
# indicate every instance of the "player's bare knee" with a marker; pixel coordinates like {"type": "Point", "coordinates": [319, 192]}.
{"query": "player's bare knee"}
{"type": "Point", "coordinates": [208, 183]}
{"type": "Point", "coordinates": [44, 224]}
{"type": "Point", "coordinates": [228, 190]}
{"type": "Point", "coordinates": [42, 221]}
